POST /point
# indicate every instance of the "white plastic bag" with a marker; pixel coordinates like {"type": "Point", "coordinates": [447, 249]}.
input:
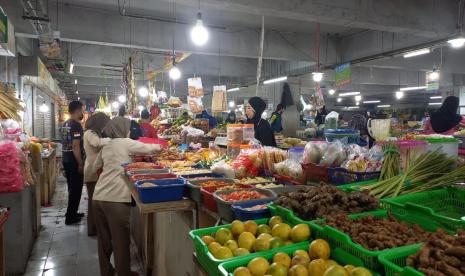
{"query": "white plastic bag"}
{"type": "Point", "coordinates": [331, 120]}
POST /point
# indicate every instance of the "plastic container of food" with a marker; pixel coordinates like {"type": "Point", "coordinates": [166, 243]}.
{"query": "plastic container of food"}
{"type": "Point", "coordinates": [241, 212]}
{"type": "Point", "coordinates": [248, 132]}
{"type": "Point", "coordinates": [233, 150]}
{"type": "Point", "coordinates": [235, 133]}
{"type": "Point", "coordinates": [195, 185]}
{"type": "Point", "coordinates": [165, 190]}
{"type": "Point", "coordinates": [224, 207]}
{"type": "Point", "coordinates": [296, 154]}
{"type": "Point", "coordinates": [348, 136]}
{"type": "Point", "coordinates": [447, 144]}
{"type": "Point", "coordinates": [207, 196]}
{"type": "Point", "coordinates": [137, 177]}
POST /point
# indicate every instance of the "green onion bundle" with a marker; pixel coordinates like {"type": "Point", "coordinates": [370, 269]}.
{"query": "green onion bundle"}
{"type": "Point", "coordinates": [448, 179]}
{"type": "Point", "coordinates": [427, 166]}
{"type": "Point", "coordinates": [391, 163]}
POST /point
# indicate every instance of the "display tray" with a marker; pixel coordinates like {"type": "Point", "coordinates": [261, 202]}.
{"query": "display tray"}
{"type": "Point", "coordinates": [209, 201]}
{"type": "Point", "coordinates": [446, 206]}
{"type": "Point", "coordinates": [240, 213]}
{"type": "Point", "coordinates": [209, 262]}
{"type": "Point", "coordinates": [194, 186]}
{"type": "Point", "coordinates": [337, 254]}
{"type": "Point", "coordinates": [339, 239]}
{"type": "Point", "coordinates": [166, 190]}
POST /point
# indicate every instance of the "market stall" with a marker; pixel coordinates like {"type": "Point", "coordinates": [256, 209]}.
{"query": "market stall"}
{"type": "Point", "coordinates": [301, 209]}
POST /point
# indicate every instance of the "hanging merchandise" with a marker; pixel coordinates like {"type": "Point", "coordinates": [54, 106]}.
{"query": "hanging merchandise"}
{"type": "Point", "coordinates": [194, 87]}
{"type": "Point", "coordinates": [195, 104]}
{"type": "Point", "coordinates": [10, 174]}
{"type": "Point", "coordinates": [286, 97]}
{"type": "Point", "coordinates": [128, 76]}
{"type": "Point", "coordinates": [9, 105]}
{"type": "Point", "coordinates": [219, 99]}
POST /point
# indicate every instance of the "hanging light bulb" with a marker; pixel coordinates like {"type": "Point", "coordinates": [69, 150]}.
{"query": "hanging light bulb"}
{"type": "Point", "coordinates": [399, 95]}
{"type": "Point", "coordinates": [434, 75]}
{"type": "Point", "coordinates": [358, 98]}
{"type": "Point", "coordinates": [115, 104]}
{"type": "Point", "coordinates": [317, 76]}
{"type": "Point", "coordinates": [43, 107]}
{"type": "Point", "coordinates": [122, 98]}
{"type": "Point", "coordinates": [331, 91]}
{"type": "Point", "coordinates": [199, 34]}
{"type": "Point", "coordinates": [339, 100]}
{"type": "Point", "coordinates": [143, 91]}
{"type": "Point", "coordinates": [231, 104]}
{"type": "Point", "coordinates": [71, 67]}
{"type": "Point", "coordinates": [175, 73]}
{"type": "Point", "coordinates": [140, 107]}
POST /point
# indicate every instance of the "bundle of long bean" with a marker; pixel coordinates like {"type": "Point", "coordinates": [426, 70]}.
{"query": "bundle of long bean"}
{"type": "Point", "coordinates": [391, 163]}
{"type": "Point", "coordinates": [426, 166]}
{"type": "Point", "coordinates": [448, 179]}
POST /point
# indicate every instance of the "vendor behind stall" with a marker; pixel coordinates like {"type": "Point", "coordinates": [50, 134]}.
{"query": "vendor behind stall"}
{"type": "Point", "coordinates": [446, 120]}
{"type": "Point", "coordinates": [212, 122]}
{"type": "Point", "coordinates": [263, 132]}
{"type": "Point", "coordinates": [147, 129]}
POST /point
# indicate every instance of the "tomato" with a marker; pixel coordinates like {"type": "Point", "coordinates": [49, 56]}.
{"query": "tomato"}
{"type": "Point", "coordinates": [242, 196]}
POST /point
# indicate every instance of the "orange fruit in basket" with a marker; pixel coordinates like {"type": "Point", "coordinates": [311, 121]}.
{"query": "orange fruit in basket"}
{"type": "Point", "coordinates": [237, 227]}
{"type": "Point", "coordinates": [251, 226]}
{"type": "Point", "coordinates": [281, 230]}
{"type": "Point", "coordinates": [300, 260]}
{"type": "Point", "coordinates": [277, 269]}
{"type": "Point", "coordinates": [246, 240]}
{"type": "Point", "coordinates": [300, 232]}
{"type": "Point", "coordinates": [261, 244]}
{"type": "Point", "coordinates": [223, 253]}
{"type": "Point", "coordinates": [360, 271]}
{"type": "Point", "coordinates": [317, 267]}
{"type": "Point", "coordinates": [208, 239]}
{"type": "Point", "coordinates": [349, 268]}
{"type": "Point", "coordinates": [302, 253]}
{"type": "Point", "coordinates": [223, 235]}
{"type": "Point", "coordinates": [275, 220]}
{"type": "Point", "coordinates": [336, 270]}
{"type": "Point", "coordinates": [242, 271]}
{"type": "Point", "coordinates": [298, 270]}
{"type": "Point", "coordinates": [240, 252]}
{"type": "Point", "coordinates": [319, 248]}
{"type": "Point", "coordinates": [282, 258]}
{"type": "Point", "coordinates": [258, 266]}
{"type": "Point", "coordinates": [213, 247]}
{"type": "Point", "coordinates": [263, 228]}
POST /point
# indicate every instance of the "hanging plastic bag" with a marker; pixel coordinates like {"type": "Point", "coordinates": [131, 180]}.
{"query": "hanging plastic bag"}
{"type": "Point", "coordinates": [331, 120]}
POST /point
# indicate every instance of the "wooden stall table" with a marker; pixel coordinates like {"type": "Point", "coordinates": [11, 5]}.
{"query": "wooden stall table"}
{"type": "Point", "coordinates": [147, 218]}
{"type": "Point", "coordinates": [48, 178]}
{"type": "Point", "coordinates": [3, 219]}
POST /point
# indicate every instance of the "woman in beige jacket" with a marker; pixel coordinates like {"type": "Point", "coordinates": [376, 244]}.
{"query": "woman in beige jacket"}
{"type": "Point", "coordinates": [93, 143]}
{"type": "Point", "coordinates": [112, 197]}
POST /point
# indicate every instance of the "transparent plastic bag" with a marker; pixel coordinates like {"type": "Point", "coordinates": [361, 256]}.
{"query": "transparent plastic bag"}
{"type": "Point", "coordinates": [334, 155]}
{"type": "Point", "coordinates": [312, 153]}
{"type": "Point", "coordinates": [290, 168]}
{"type": "Point", "coordinates": [331, 120]}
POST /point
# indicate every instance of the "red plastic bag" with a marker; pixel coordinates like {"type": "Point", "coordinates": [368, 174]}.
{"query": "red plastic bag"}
{"type": "Point", "coordinates": [10, 174]}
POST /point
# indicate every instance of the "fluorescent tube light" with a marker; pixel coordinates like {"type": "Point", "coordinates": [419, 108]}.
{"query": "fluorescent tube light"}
{"type": "Point", "coordinates": [456, 42]}
{"type": "Point", "coordinates": [384, 105]}
{"type": "Point", "coordinates": [434, 103]}
{"type": "Point", "coordinates": [369, 102]}
{"type": "Point", "coordinates": [349, 94]}
{"type": "Point", "coordinates": [71, 67]}
{"type": "Point", "coordinates": [435, 97]}
{"type": "Point", "coordinates": [412, 88]}
{"type": "Point", "coordinates": [275, 80]}
{"type": "Point", "coordinates": [352, 107]}
{"type": "Point", "coordinates": [417, 53]}
{"type": "Point", "coordinates": [233, 89]}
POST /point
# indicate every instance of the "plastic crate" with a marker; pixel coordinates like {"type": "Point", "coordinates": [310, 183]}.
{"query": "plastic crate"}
{"type": "Point", "coordinates": [241, 214]}
{"type": "Point", "coordinates": [337, 254]}
{"type": "Point", "coordinates": [209, 262]}
{"type": "Point", "coordinates": [445, 206]}
{"type": "Point", "coordinates": [137, 177]}
{"type": "Point", "coordinates": [167, 190]}
{"type": "Point", "coordinates": [207, 197]}
{"type": "Point", "coordinates": [395, 263]}
{"type": "Point", "coordinates": [194, 187]}
{"type": "Point", "coordinates": [340, 176]}
{"type": "Point", "coordinates": [315, 172]}
{"type": "Point", "coordinates": [224, 207]}
{"type": "Point", "coordinates": [338, 239]}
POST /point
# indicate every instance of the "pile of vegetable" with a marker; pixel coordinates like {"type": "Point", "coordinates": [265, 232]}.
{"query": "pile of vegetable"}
{"type": "Point", "coordinates": [378, 233]}
{"type": "Point", "coordinates": [448, 179]}
{"type": "Point", "coordinates": [427, 166]}
{"type": "Point", "coordinates": [391, 165]}
{"type": "Point", "coordinates": [443, 254]}
{"type": "Point", "coordinates": [213, 183]}
{"type": "Point", "coordinates": [319, 201]}
{"type": "Point", "coordinates": [242, 196]}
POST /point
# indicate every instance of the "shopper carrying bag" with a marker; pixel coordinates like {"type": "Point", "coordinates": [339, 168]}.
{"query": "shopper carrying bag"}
{"type": "Point", "coordinates": [112, 197]}
{"type": "Point", "coordinates": [93, 143]}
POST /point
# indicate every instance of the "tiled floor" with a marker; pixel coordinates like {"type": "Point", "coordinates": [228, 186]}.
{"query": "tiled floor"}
{"type": "Point", "coordinates": [62, 250]}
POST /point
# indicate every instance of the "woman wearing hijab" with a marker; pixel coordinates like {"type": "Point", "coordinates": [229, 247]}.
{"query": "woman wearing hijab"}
{"type": "Point", "coordinates": [263, 131]}
{"type": "Point", "coordinates": [446, 120]}
{"type": "Point", "coordinates": [93, 143]}
{"type": "Point", "coordinates": [112, 197]}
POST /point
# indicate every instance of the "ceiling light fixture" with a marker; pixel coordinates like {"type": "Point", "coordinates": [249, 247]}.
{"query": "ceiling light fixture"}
{"type": "Point", "coordinates": [317, 76]}
{"type": "Point", "coordinates": [122, 98]}
{"type": "Point", "coordinates": [399, 94]}
{"type": "Point", "coordinates": [435, 97]}
{"type": "Point", "coordinates": [175, 73]}
{"type": "Point", "coordinates": [417, 53]}
{"type": "Point", "coordinates": [43, 107]}
{"type": "Point", "coordinates": [275, 80]}
{"type": "Point", "coordinates": [77, 92]}
{"type": "Point", "coordinates": [79, 98]}
{"type": "Point", "coordinates": [115, 105]}
{"type": "Point", "coordinates": [384, 105]}
{"type": "Point", "coordinates": [357, 103]}
{"type": "Point", "coordinates": [358, 98]}
{"type": "Point", "coordinates": [457, 42]}
{"type": "Point", "coordinates": [75, 81]}
{"type": "Point", "coordinates": [352, 107]}
{"type": "Point", "coordinates": [143, 91]}
{"type": "Point", "coordinates": [434, 103]}
{"type": "Point", "coordinates": [331, 91]}
{"type": "Point", "coordinates": [231, 104]}
{"type": "Point", "coordinates": [71, 67]}
{"type": "Point", "coordinates": [433, 75]}
{"type": "Point", "coordinates": [233, 89]}
{"type": "Point", "coordinates": [199, 34]}
{"type": "Point", "coordinates": [412, 88]}
{"type": "Point", "coordinates": [339, 100]}
{"type": "Point", "coordinates": [370, 102]}
{"type": "Point", "coordinates": [349, 94]}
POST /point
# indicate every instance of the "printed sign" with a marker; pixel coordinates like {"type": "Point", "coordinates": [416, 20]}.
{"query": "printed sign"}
{"type": "Point", "coordinates": [343, 74]}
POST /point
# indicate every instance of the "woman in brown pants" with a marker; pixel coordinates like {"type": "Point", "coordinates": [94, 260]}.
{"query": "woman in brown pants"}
{"type": "Point", "coordinates": [93, 143]}
{"type": "Point", "coordinates": [112, 197]}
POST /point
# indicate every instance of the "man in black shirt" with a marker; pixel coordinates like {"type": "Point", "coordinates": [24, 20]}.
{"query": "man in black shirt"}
{"type": "Point", "coordinates": [73, 160]}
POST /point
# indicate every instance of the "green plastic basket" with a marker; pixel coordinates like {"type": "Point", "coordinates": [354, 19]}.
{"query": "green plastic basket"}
{"type": "Point", "coordinates": [209, 262]}
{"type": "Point", "coordinates": [338, 255]}
{"type": "Point", "coordinates": [395, 262]}
{"type": "Point", "coordinates": [446, 206]}
{"type": "Point", "coordinates": [338, 239]}
{"type": "Point", "coordinates": [353, 186]}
